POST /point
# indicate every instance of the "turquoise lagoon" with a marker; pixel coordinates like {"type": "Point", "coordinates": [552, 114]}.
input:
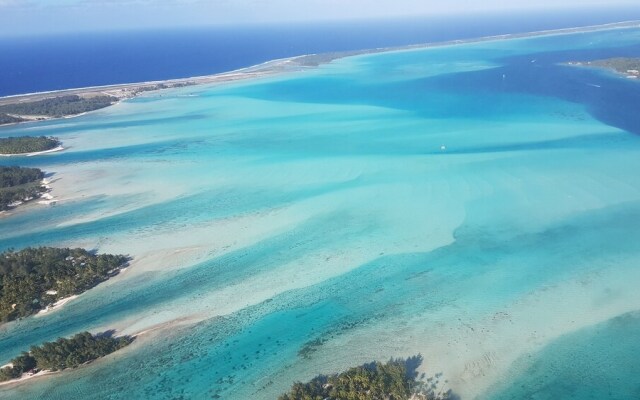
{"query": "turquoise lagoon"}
{"type": "Point", "coordinates": [477, 204]}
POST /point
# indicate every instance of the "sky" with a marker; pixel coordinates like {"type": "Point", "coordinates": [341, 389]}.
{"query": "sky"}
{"type": "Point", "coordinates": [52, 16]}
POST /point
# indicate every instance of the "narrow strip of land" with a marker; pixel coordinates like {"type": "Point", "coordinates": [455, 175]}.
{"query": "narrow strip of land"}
{"type": "Point", "coordinates": [625, 66]}
{"type": "Point", "coordinates": [73, 102]}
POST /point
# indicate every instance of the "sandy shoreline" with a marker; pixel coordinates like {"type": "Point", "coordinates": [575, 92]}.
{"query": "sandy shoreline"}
{"type": "Point", "coordinates": [631, 74]}
{"type": "Point", "coordinates": [291, 64]}
{"type": "Point", "coordinates": [57, 305]}
{"type": "Point", "coordinates": [128, 90]}
{"type": "Point", "coordinates": [46, 198]}
{"type": "Point", "coordinates": [156, 329]}
{"type": "Point", "coordinates": [35, 153]}
{"type": "Point", "coordinates": [309, 59]}
{"type": "Point", "coordinates": [25, 377]}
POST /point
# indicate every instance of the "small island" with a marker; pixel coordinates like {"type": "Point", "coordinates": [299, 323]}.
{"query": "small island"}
{"type": "Point", "coordinates": [34, 279]}
{"type": "Point", "coordinates": [74, 102]}
{"type": "Point", "coordinates": [625, 66]}
{"type": "Point", "coordinates": [19, 185]}
{"type": "Point", "coordinates": [53, 107]}
{"type": "Point", "coordinates": [395, 380]}
{"type": "Point", "coordinates": [63, 354]}
{"type": "Point", "coordinates": [28, 145]}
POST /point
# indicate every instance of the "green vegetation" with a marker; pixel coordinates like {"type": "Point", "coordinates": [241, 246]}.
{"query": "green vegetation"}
{"type": "Point", "coordinates": [15, 176]}
{"type": "Point", "coordinates": [62, 105]}
{"type": "Point", "coordinates": [59, 106]}
{"type": "Point", "coordinates": [141, 89]}
{"type": "Point", "coordinates": [620, 64]}
{"type": "Point", "coordinates": [19, 184]}
{"type": "Point", "coordinates": [627, 66]}
{"type": "Point", "coordinates": [27, 144]}
{"type": "Point", "coordinates": [34, 278]}
{"type": "Point", "coordinates": [9, 119]}
{"type": "Point", "coordinates": [395, 380]}
{"type": "Point", "coordinates": [64, 353]}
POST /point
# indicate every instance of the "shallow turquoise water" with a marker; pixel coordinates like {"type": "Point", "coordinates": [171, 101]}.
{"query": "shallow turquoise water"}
{"type": "Point", "coordinates": [603, 359]}
{"type": "Point", "coordinates": [476, 204]}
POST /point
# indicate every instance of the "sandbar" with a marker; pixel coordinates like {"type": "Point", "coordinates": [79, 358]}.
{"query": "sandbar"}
{"type": "Point", "coordinates": [274, 67]}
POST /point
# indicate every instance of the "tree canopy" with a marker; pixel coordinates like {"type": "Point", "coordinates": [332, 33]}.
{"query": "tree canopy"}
{"type": "Point", "coordinates": [8, 119]}
{"type": "Point", "coordinates": [34, 278]}
{"type": "Point", "coordinates": [27, 144]}
{"type": "Point", "coordinates": [19, 184]}
{"type": "Point", "coordinates": [64, 353]}
{"type": "Point", "coordinates": [14, 176]}
{"type": "Point", "coordinates": [59, 106]}
{"type": "Point", "coordinates": [374, 381]}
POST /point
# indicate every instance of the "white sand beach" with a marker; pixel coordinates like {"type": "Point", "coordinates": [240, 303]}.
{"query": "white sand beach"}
{"type": "Point", "coordinates": [57, 305]}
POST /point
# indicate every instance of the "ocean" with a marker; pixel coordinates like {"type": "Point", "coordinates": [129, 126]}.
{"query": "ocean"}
{"type": "Point", "coordinates": [62, 61]}
{"type": "Point", "coordinates": [476, 204]}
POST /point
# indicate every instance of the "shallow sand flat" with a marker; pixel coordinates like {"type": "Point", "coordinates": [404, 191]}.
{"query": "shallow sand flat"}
{"type": "Point", "coordinates": [476, 327]}
{"type": "Point", "coordinates": [543, 372]}
{"type": "Point", "coordinates": [447, 214]}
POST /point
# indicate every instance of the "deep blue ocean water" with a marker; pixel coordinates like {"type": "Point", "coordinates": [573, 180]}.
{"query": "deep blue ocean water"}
{"type": "Point", "coordinates": [476, 204]}
{"type": "Point", "coordinates": [43, 63]}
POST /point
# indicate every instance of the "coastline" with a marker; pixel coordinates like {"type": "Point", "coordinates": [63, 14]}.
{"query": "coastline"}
{"type": "Point", "coordinates": [46, 198]}
{"type": "Point", "coordinates": [27, 376]}
{"type": "Point", "coordinates": [35, 153]}
{"type": "Point", "coordinates": [56, 306]}
{"type": "Point", "coordinates": [151, 330]}
{"type": "Point", "coordinates": [125, 91]}
{"type": "Point", "coordinates": [629, 74]}
{"type": "Point", "coordinates": [129, 90]}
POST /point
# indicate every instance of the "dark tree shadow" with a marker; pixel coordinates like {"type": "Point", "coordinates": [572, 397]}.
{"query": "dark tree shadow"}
{"type": "Point", "coordinates": [106, 334]}
{"type": "Point", "coordinates": [431, 388]}
{"type": "Point", "coordinates": [412, 364]}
